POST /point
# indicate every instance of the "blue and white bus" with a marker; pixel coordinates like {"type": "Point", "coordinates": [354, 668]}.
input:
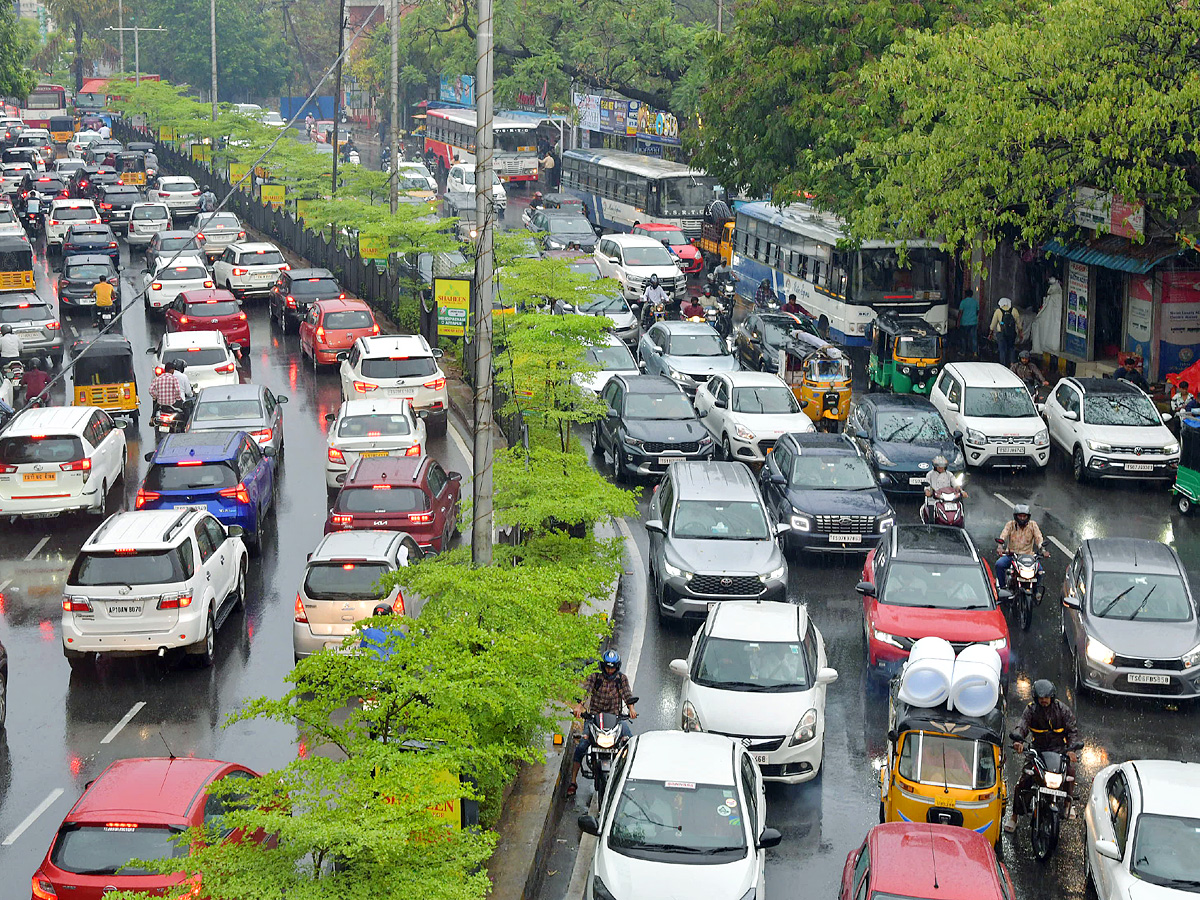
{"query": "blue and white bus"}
{"type": "Point", "coordinates": [797, 250]}
{"type": "Point", "coordinates": [622, 189]}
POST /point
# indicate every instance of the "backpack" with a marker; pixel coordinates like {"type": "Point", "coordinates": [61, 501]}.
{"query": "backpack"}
{"type": "Point", "coordinates": [1008, 325]}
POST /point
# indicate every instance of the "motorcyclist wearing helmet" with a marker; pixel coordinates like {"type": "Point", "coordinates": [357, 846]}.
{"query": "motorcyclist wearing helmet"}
{"type": "Point", "coordinates": [939, 478]}
{"type": "Point", "coordinates": [185, 385]}
{"type": "Point", "coordinates": [654, 293]}
{"type": "Point", "coordinates": [35, 380]}
{"type": "Point", "coordinates": [208, 200]}
{"type": "Point", "coordinates": [765, 295]}
{"type": "Point", "coordinates": [1025, 369]}
{"type": "Point", "coordinates": [1053, 726]}
{"type": "Point", "coordinates": [537, 202]}
{"type": "Point", "coordinates": [10, 346]}
{"type": "Point", "coordinates": [1021, 535]}
{"type": "Point", "coordinates": [605, 692]}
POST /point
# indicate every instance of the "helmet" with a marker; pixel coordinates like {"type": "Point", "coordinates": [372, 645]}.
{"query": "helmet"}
{"type": "Point", "coordinates": [1044, 687]}
{"type": "Point", "coordinates": [381, 609]}
{"type": "Point", "coordinates": [1021, 514]}
{"type": "Point", "coordinates": [610, 659]}
{"type": "Point", "coordinates": [179, 365]}
{"type": "Point", "coordinates": [35, 363]}
{"type": "Point", "coordinates": [537, 195]}
{"type": "Point", "coordinates": [654, 281]}
{"type": "Point", "coordinates": [1005, 303]}
{"type": "Point", "coordinates": [5, 329]}
{"type": "Point", "coordinates": [207, 189]}
{"type": "Point", "coordinates": [940, 462]}
{"type": "Point", "coordinates": [1023, 356]}
{"type": "Point", "coordinates": [708, 290]}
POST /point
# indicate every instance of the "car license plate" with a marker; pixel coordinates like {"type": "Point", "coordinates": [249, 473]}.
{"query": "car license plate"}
{"type": "Point", "coordinates": [943, 801]}
{"type": "Point", "coordinates": [38, 476]}
{"type": "Point", "coordinates": [760, 758]}
{"type": "Point", "coordinates": [372, 453]}
{"type": "Point", "coordinates": [1011, 450]}
{"type": "Point", "coordinates": [846, 538]}
{"type": "Point", "coordinates": [401, 392]}
{"type": "Point", "coordinates": [1052, 792]}
{"type": "Point", "coordinates": [1143, 678]}
{"type": "Point", "coordinates": [916, 480]}
{"type": "Point", "coordinates": [124, 609]}
{"type": "Point", "coordinates": [260, 276]}
{"type": "Point", "coordinates": [1139, 467]}
{"type": "Point", "coordinates": [666, 460]}
{"type": "Point", "coordinates": [197, 506]}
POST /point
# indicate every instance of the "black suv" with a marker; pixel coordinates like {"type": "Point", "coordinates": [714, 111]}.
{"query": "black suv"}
{"type": "Point", "coordinates": [900, 434]}
{"type": "Point", "coordinates": [649, 424]}
{"type": "Point", "coordinates": [114, 202]}
{"type": "Point", "coordinates": [296, 290]}
{"type": "Point", "coordinates": [560, 228]}
{"type": "Point", "coordinates": [822, 486]}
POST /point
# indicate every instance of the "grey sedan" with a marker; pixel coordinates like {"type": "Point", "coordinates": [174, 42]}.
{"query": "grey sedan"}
{"type": "Point", "coordinates": [686, 352]}
{"type": "Point", "coordinates": [241, 407]}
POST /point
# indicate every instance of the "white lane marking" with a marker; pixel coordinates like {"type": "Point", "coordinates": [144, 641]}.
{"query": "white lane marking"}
{"type": "Point", "coordinates": [583, 858]}
{"type": "Point", "coordinates": [5, 583]}
{"type": "Point", "coordinates": [116, 729]}
{"type": "Point", "coordinates": [639, 625]}
{"type": "Point", "coordinates": [459, 442]}
{"type": "Point", "coordinates": [37, 548]}
{"type": "Point", "coordinates": [1004, 500]}
{"type": "Point", "coordinates": [32, 817]}
{"type": "Point", "coordinates": [1059, 544]}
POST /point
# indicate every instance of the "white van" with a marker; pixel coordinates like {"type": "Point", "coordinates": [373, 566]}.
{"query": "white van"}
{"type": "Point", "coordinates": [632, 258]}
{"type": "Point", "coordinates": [990, 412]}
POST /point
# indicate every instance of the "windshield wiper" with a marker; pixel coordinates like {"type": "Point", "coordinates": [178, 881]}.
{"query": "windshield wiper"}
{"type": "Point", "coordinates": [1145, 600]}
{"type": "Point", "coordinates": [898, 432]}
{"type": "Point", "coordinates": [668, 848]}
{"type": "Point", "coordinates": [712, 850]}
{"type": "Point", "coordinates": [734, 685]}
{"type": "Point", "coordinates": [1117, 599]}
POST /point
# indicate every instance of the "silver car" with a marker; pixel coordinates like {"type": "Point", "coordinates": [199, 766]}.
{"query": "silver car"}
{"type": "Point", "coordinates": [34, 322]}
{"type": "Point", "coordinates": [686, 352]}
{"type": "Point", "coordinates": [251, 408]}
{"type": "Point", "coordinates": [219, 230]}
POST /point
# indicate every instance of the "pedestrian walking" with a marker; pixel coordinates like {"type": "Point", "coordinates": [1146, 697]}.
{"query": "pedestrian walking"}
{"type": "Point", "coordinates": [1006, 329]}
{"type": "Point", "coordinates": [968, 325]}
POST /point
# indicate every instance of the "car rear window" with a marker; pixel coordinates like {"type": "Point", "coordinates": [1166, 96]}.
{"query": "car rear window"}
{"type": "Point", "coordinates": [182, 273]}
{"type": "Point", "coordinates": [206, 476]}
{"type": "Point", "coordinates": [261, 258]}
{"type": "Point", "coordinates": [400, 367]}
{"type": "Point", "coordinates": [178, 184]}
{"type": "Point", "coordinates": [213, 410]}
{"type": "Point", "coordinates": [86, 272]}
{"type": "Point", "coordinates": [315, 287]}
{"type": "Point", "coordinates": [122, 190]}
{"type": "Point", "coordinates": [383, 499]}
{"type": "Point", "coordinates": [33, 312]}
{"type": "Point", "coordinates": [374, 425]}
{"type": "Point", "coordinates": [153, 213]}
{"type": "Point", "coordinates": [7, 216]}
{"type": "Point", "coordinates": [15, 451]}
{"type": "Point", "coordinates": [219, 220]}
{"type": "Point", "coordinates": [348, 318]}
{"type": "Point", "coordinates": [79, 235]}
{"type": "Point", "coordinates": [344, 581]}
{"type": "Point", "coordinates": [200, 356]}
{"type": "Point", "coordinates": [108, 849]}
{"type": "Point", "coordinates": [214, 308]}
{"type": "Point", "coordinates": [73, 213]}
{"type": "Point", "coordinates": [174, 243]}
{"type": "Point", "coordinates": [130, 567]}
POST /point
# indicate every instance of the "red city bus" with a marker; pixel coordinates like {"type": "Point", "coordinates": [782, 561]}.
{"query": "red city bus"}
{"type": "Point", "coordinates": [44, 101]}
{"type": "Point", "coordinates": [450, 135]}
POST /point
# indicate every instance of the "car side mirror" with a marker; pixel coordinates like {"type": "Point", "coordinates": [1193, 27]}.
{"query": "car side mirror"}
{"type": "Point", "coordinates": [703, 413]}
{"type": "Point", "coordinates": [679, 667]}
{"type": "Point", "coordinates": [1167, 417]}
{"type": "Point", "coordinates": [148, 456]}
{"type": "Point", "coordinates": [1107, 849]}
{"type": "Point", "coordinates": [589, 825]}
{"type": "Point", "coordinates": [121, 423]}
{"type": "Point", "coordinates": [437, 353]}
{"type": "Point", "coordinates": [235, 530]}
{"type": "Point", "coordinates": [769, 838]}
{"type": "Point", "coordinates": [777, 478]}
{"type": "Point", "coordinates": [656, 525]}
{"type": "Point", "coordinates": [782, 528]}
{"type": "Point", "coordinates": [1071, 414]}
{"type": "Point", "coordinates": [236, 348]}
{"type": "Point", "coordinates": [454, 476]}
{"type": "Point", "coordinates": [1071, 600]}
{"type": "Point", "coordinates": [827, 676]}
{"type": "Point", "coordinates": [341, 357]}
{"type": "Point", "coordinates": [952, 406]}
{"type": "Point", "coordinates": [329, 417]}
{"type": "Point", "coordinates": [282, 399]}
{"type": "Point", "coordinates": [150, 350]}
{"type": "Point", "coordinates": [865, 588]}
{"type": "Point", "coordinates": [611, 413]}
{"type": "Point", "coordinates": [269, 452]}
{"type": "Point", "coordinates": [720, 404]}
{"type": "Point", "coordinates": [1004, 594]}
{"type": "Point", "coordinates": [958, 436]}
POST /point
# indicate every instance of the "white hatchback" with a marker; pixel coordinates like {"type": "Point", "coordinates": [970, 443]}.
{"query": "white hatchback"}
{"type": "Point", "coordinates": [187, 272]}
{"type": "Point", "coordinates": [210, 359]}
{"type": "Point", "coordinates": [145, 221]}
{"type": "Point", "coordinates": [369, 428]}
{"type": "Point", "coordinates": [989, 410]}
{"type": "Point", "coordinates": [65, 213]}
{"type": "Point", "coordinates": [397, 366]}
{"type": "Point", "coordinates": [610, 358]}
{"type": "Point", "coordinates": [747, 412]}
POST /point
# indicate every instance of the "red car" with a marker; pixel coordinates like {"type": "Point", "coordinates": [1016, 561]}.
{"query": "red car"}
{"type": "Point", "coordinates": [399, 493]}
{"type": "Point", "coordinates": [919, 861]}
{"type": "Point", "coordinates": [133, 810]}
{"type": "Point", "coordinates": [332, 326]}
{"type": "Point", "coordinates": [210, 309]}
{"type": "Point", "coordinates": [693, 261]}
{"type": "Point", "coordinates": [927, 580]}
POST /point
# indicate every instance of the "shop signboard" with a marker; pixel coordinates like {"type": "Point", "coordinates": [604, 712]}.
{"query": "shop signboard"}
{"type": "Point", "coordinates": [1109, 213]}
{"type": "Point", "coordinates": [453, 298]}
{"type": "Point", "coordinates": [1139, 315]}
{"type": "Point", "coordinates": [238, 171]}
{"type": "Point", "coordinates": [273, 194]}
{"type": "Point", "coordinates": [1076, 342]}
{"type": "Point", "coordinates": [1179, 326]}
{"type": "Point", "coordinates": [627, 118]}
{"type": "Point", "coordinates": [589, 111]}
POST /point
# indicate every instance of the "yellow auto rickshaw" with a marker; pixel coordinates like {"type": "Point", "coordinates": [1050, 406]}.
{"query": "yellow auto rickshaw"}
{"type": "Point", "coordinates": [131, 165]}
{"type": "Point", "coordinates": [819, 375]}
{"type": "Point", "coordinates": [103, 375]}
{"type": "Point", "coordinates": [944, 767]}
{"type": "Point", "coordinates": [62, 129]}
{"type": "Point", "coordinates": [16, 263]}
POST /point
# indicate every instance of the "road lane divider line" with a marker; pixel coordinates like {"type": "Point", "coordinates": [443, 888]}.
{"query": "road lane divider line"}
{"type": "Point", "coordinates": [5, 583]}
{"type": "Point", "coordinates": [32, 817]}
{"type": "Point", "coordinates": [639, 624]}
{"type": "Point", "coordinates": [125, 720]}
{"type": "Point", "coordinates": [1059, 544]}
{"type": "Point", "coordinates": [37, 548]}
{"type": "Point", "coordinates": [459, 442]}
{"type": "Point", "coordinates": [1004, 500]}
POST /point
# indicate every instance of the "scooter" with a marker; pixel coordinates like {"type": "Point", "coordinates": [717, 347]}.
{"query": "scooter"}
{"type": "Point", "coordinates": [1024, 582]}
{"type": "Point", "coordinates": [944, 508]}
{"type": "Point", "coordinates": [606, 739]}
{"type": "Point", "coordinates": [170, 419]}
{"type": "Point", "coordinates": [1046, 799]}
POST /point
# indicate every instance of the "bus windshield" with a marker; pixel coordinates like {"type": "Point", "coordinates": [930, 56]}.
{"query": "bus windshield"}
{"type": "Point", "coordinates": [686, 195]}
{"type": "Point", "coordinates": [923, 270]}
{"type": "Point", "coordinates": [511, 140]}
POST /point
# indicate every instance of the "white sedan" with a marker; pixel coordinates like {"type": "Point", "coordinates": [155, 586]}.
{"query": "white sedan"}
{"type": "Point", "coordinates": [185, 273]}
{"type": "Point", "coordinates": [610, 358]}
{"type": "Point", "coordinates": [747, 412]}
{"type": "Point", "coordinates": [370, 428]}
{"type": "Point", "coordinates": [1142, 832]}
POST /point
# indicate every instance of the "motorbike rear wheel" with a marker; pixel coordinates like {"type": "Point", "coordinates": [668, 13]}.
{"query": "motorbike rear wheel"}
{"type": "Point", "coordinates": [1043, 830]}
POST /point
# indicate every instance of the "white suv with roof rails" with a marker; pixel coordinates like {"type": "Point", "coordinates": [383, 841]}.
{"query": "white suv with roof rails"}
{"type": "Point", "coordinates": [632, 258]}
{"type": "Point", "coordinates": [991, 415]}
{"type": "Point", "coordinates": [210, 358]}
{"type": "Point", "coordinates": [67, 212]}
{"type": "Point", "coordinates": [151, 581]}
{"type": "Point", "coordinates": [397, 366]}
{"type": "Point", "coordinates": [60, 459]}
{"type": "Point", "coordinates": [249, 268]}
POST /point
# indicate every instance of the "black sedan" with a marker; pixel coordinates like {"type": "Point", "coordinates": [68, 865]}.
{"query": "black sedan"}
{"type": "Point", "coordinates": [756, 341]}
{"type": "Point", "coordinates": [900, 434]}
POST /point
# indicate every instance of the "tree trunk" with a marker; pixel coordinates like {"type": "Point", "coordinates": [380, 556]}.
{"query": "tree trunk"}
{"type": "Point", "coordinates": [78, 23]}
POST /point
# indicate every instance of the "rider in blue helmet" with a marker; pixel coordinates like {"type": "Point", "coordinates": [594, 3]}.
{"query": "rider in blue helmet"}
{"type": "Point", "coordinates": [605, 691]}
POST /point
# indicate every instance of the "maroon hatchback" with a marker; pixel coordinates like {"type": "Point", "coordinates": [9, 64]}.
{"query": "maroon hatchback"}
{"type": "Point", "coordinates": [399, 493]}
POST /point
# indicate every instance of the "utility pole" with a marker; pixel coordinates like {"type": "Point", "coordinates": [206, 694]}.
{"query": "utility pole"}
{"type": "Point", "coordinates": [212, 37]}
{"type": "Point", "coordinates": [720, 14]}
{"type": "Point", "coordinates": [337, 91]}
{"type": "Point", "coordinates": [137, 46]}
{"type": "Point", "coordinates": [394, 121]}
{"type": "Point", "coordinates": [481, 532]}
{"type": "Point", "coordinates": [121, 32]}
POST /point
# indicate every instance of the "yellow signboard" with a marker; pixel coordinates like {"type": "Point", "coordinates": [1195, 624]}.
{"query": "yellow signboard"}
{"type": "Point", "coordinates": [166, 134]}
{"type": "Point", "coordinates": [202, 152]}
{"type": "Point", "coordinates": [453, 297]}
{"type": "Point", "coordinates": [449, 812]}
{"type": "Point", "coordinates": [371, 247]}
{"type": "Point", "coordinates": [302, 208]}
{"type": "Point", "coordinates": [238, 171]}
{"type": "Point", "coordinates": [273, 194]}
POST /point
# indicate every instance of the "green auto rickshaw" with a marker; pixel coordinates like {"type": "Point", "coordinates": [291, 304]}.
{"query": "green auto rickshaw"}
{"type": "Point", "coordinates": [906, 354]}
{"type": "Point", "coordinates": [1187, 477]}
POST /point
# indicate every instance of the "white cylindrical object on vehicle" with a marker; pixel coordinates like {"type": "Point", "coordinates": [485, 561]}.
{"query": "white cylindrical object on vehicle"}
{"type": "Point", "coordinates": [925, 678]}
{"type": "Point", "coordinates": [975, 681]}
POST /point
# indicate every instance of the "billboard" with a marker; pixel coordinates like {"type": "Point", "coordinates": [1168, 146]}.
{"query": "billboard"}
{"type": "Point", "coordinates": [453, 298]}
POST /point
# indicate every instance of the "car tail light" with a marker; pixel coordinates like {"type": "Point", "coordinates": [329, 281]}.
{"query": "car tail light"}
{"type": "Point", "coordinates": [79, 465]}
{"type": "Point", "coordinates": [339, 519]}
{"type": "Point", "coordinates": [163, 194]}
{"type": "Point", "coordinates": [208, 284]}
{"type": "Point", "coordinates": [112, 245]}
{"type": "Point", "coordinates": [237, 271]}
{"type": "Point", "coordinates": [301, 615]}
{"type": "Point", "coordinates": [291, 302]}
{"type": "Point", "coordinates": [195, 193]}
{"type": "Point", "coordinates": [75, 604]}
{"type": "Point", "coordinates": [374, 329]}
{"type": "Point", "coordinates": [144, 496]}
{"type": "Point", "coordinates": [106, 206]}
{"type": "Point", "coordinates": [93, 221]}
{"type": "Point", "coordinates": [156, 286]}
{"type": "Point", "coordinates": [414, 450]}
{"type": "Point", "coordinates": [54, 326]}
{"type": "Point", "coordinates": [263, 434]}
{"type": "Point", "coordinates": [241, 235]}
{"type": "Point", "coordinates": [226, 369]}
{"type": "Point", "coordinates": [241, 317]}
{"type": "Point", "coordinates": [398, 605]}
{"type": "Point", "coordinates": [341, 296]}
{"type": "Point", "coordinates": [436, 385]}
{"type": "Point", "coordinates": [183, 320]}
{"type": "Point", "coordinates": [7, 470]}
{"type": "Point", "coordinates": [335, 456]}
{"type": "Point", "coordinates": [362, 387]}
{"type": "Point", "coordinates": [320, 332]}
{"type": "Point", "coordinates": [423, 518]}
{"type": "Point", "coordinates": [285, 268]}
{"type": "Point", "coordinates": [175, 601]}
{"type": "Point", "coordinates": [239, 493]}
{"type": "Point", "coordinates": [42, 888]}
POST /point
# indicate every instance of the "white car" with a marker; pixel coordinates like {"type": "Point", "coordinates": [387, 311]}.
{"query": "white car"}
{"type": "Point", "coordinates": [1110, 429]}
{"type": "Point", "coordinates": [187, 272]}
{"type": "Point", "coordinates": [419, 170]}
{"type": "Point", "coordinates": [461, 180]}
{"type": "Point", "coordinates": [145, 221]}
{"type": "Point", "coordinates": [153, 580]}
{"type": "Point", "coordinates": [79, 144]}
{"type": "Point", "coordinates": [178, 192]}
{"type": "Point", "coordinates": [757, 672]}
{"type": "Point", "coordinates": [209, 357]}
{"type": "Point", "coordinates": [65, 168]}
{"type": "Point", "coordinates": [1141, 831]}
{"type": "Point", "coordinates": [685, 816]}
{"type": "Point", "coordinates": [612, 358]}
{"type": "Point", "coordinates": [370, 428]}
{"type": "Point", "coordinates": [65, 213]}
{"type": "Point", "coordinates": [10, 225]}
{"type": "Point", "coordinates": [747, 412]}
{"type": "Point", "coordinates": [248, 268]}
{"type": "Point", "coordinates": [989, 409]}
{"type": "Point", "coordinates": [397, 366]}
{"type": "Point", "coordinates": [219, 230]}
{"type": "Point", "coordinates": [61, 459]}
{"type": "Point", "coordinates": [12, 174]}
{"type": "Point", "coordinates": [632, 258]}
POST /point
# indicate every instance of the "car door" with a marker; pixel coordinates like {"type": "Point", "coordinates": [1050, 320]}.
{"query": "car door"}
{"type": "Point", "coordinates": [175, 314]}
{"type": "Point", "coordinates": [111, 446]}
{"type": "Point", "coordinates": [274, 408]}
{"type": "Point", "coordinates": [705, 403]}
{"type": "Point", "coordinates": [611, 395]}
{"type": "Point", "coordinates": [1064, 403]}
{"type": "Point", "coordinates": [778, 465]}
{"type": "Point", "coordinates": [861, 427]}
{"type": "Point", "coordinates": [221, 565]}
{"type": "Point", "coordinates": [307, 328]}
{"type": "Point", "coordinates": [755, 799]}
{"type": "Point", "coordinates": [1112, 824]}
{"type": "Point", "coordinates": [346, 370]}
{"type": "Point", "coordinates": [1074, 608]}
{"type": "Point", "coordinates": [652, 348]}
{"type": "Point", "coordinates": [256, 472]}
{"type": "Point", "coordinates": [438, 483]}
{"type": "Point", "coordinates": [662, 508]}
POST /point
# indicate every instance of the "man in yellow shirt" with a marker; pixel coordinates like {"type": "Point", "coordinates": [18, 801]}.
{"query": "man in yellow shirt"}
{"type": "Point", "coordinates": [104, 293]}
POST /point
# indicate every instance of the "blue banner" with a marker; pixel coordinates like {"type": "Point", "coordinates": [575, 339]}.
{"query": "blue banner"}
{"type": "Point", "coordinates": [457, 89]}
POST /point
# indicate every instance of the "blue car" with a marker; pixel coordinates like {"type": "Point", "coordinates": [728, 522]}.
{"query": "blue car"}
{"type": "Point", "coordinates": [89, 239]}
{"type": "Point", "coordinates": [224, 472]}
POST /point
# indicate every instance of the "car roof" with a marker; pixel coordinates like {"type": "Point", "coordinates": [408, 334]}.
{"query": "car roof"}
{"type": "Point", "coordinates": [203, 295]}
{"type": "Point", "coordinates": [383, 344]}
{"type": "Point", "coordinates": [906, 402]}
{"type": "Point", "coordinates": [1124, 554]}
{"type": "Point", "coordinates": [931, 544]}
{"type": "Point", "coordinates": [210, 446]}
{"type": "Point", "coordinates": [985, 374]}
{"type": "Point", "coordinates": [686, 327]}
{"type": "Point", "coordinates": [390, 406]}
{"type": "Point", "coordinates": [337, 304]}
{"type": "Point", "coordinates": [71, 202]}
{"type": "Point", "coordinates": [251, 246]}
{"type": "Point", "coordinates": [695, 757]}
{"type": "Point", "coordinates": [924, 860]}
{"type": "Point", "coordinates": [88, 228]}
{"type": "Point", "coordinates": [91, 259]}
{"type": "Point", "coordinates": [633, 240]}
{"type": "Point", "coordinates": [174, 234]}
{"type": "Point", "coordinates": [647, 384]}
{"type": "Point", "coordinates": [185, 258]}
{"type": "Point", "coordinates": [1168, 787]}
{"type": "Point", "coordinates": [824, 443]}
{"type": "Point", "coordinates": [49, 420]}
{"type": "Point", "coordinates": [357, 544]}
{"type": "Point", "coordinates": [712, 480]}
{"type": "Point", "coordinates": [174, 340]}
{"type": "Point", "coordinates": [248, 391]}
{"type": "Point", "coordinates": [753, 620]}
{"type": "Point", "coordinates": [746, 378]}
{"type": "Point", "coordinates": [404, 471]}
{"type": "Point", "coordinates": [147, 529]}
{"type": "Point", "coordinates": [166, 788]}
{"type": "Point", "coordinates": [25, 298]}
{"type": "Point", "coordinates": [1106, 386]}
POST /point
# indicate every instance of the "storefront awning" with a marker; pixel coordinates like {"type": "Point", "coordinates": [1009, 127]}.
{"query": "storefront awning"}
{"type": "Point", "coordinates": [1112, 251]}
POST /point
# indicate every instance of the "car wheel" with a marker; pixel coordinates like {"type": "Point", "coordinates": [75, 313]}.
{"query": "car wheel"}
{"type": "Point", "coordinates": [596, 448]}
{"type": "Point", "coordinates": [1062, 625]}
{"type": "Point", "coordinates": [726, 449]}
{"type": "Point", "coordinates": [1077, 679]}
{"type": "Point", "coordinates": [619, 473]}
{"type": "Point", "coordinates": [239, 592]}
{"type": "Point", "coordinates": [447, 536]}
{"type": "Point", "coordinates": [1078, 466]}
{"type": "Point", "coordinates": [1183, 504]}
{"type": "Point", "coordinates": [204, 650]}
{"type": "Point", "coordinates": [102, 510]}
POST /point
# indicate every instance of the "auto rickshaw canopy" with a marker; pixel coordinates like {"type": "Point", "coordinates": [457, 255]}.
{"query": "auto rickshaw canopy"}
{"type": "Point", "coordinates": [903, 337]}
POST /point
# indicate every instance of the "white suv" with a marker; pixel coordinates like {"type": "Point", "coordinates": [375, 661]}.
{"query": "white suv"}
{"type": "Point", "coordinates": [170, 278]}
{"type": "Point", "coordinates": [1110, 429]}
{"type": "Point", "coordinates": [145, 221]}
{"type": "Point", "coordinates": [152, 581]}
{"type": "Point", "coordinates": [65, 213]}
{"type": "Point", "coordinates": [397, 366]}
{"type": "Point", "coordinates": [249, 268]}
{"type": "Point", "coordinates": [60, 459]}
{"type": "Point", "coordinates": [461, 180]}
{"type": "Point", "coordinates": [632, 258]}
{"type": "Point", "coordinates": [370, 428]}
{"type": "Point", "coordinates": [990, 412]}
{"type": "Point", "coordinates": [210, 358]}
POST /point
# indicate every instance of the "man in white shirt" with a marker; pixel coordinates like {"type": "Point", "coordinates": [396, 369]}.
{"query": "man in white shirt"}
{"type": "Point", "coordinates": [105, 132]}
{"type": "Point", "coordinates": [10, 346]}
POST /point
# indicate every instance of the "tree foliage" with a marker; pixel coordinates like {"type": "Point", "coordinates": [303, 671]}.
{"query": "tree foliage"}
{"type": "Point", "coordinates": [78, 20]}
{"type": "Point", "coordinates": [16, 46]}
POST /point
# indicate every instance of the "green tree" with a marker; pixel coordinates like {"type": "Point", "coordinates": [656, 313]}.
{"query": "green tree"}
{"type": "Point", "coordinates": [16, 47]}
{"type": "Point", "coordinates": [76, 21]}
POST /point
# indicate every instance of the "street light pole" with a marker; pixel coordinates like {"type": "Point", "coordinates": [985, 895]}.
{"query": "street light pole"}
{"type": "Point", "coordinates": [337, 90]}
{"type": "Point", "coordinates": [394, 130]}
{"type": "Point", "coordinates": [481, 531]}
{"type": "Point", "coordinates": [137, 46]}
{"type": "Point", "coordinates": [121, 32]}
{"type": "Point", "coordinates": [212, 34]}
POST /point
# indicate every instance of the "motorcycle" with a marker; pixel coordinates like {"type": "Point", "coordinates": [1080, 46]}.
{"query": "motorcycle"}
{"type": "Point", "coordinates": [169, 419]}
{"type": "Point", "coordinates": [944, 508]}
{"type": "Point", "coordinates": [10, 381]}
{"type": "Point", "coordinates": [1046, 799]}
{"type": "Point", "coordinates": [1024, 582]}
{"type": "Point", "coordinates": [606, 738]}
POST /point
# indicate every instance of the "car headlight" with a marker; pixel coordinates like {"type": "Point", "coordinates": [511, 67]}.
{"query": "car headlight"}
{"type": "Point", "coordinates": [906, 370]}
{"type": "Point", "coordinates": [632, 442]}
{"type": "Point", "coordinates": [774, 574]}
{"type": "Point", "coordinates": [801, 521]}
{"type": "Point", "coordinates": [689, 720]}
{"type": "Point", "coordinates": [600, 891]}
{"type": "Point", "coordinates": [1191, 657]}
{"type": "Point", "coordinates": [1042, 438]}
{"type": "Point", "coordinates": [805, 730]}
{"type": "Point", "coordinates": [675, 571]}
{"type": "Point", "coordinates": [976, 437]}
{"type": "Point", "coordinates": [997, 644]}
{"type": "Point", "coordinates": [887, 522]}
{"type": "Point", "coordinates": [1098, 653]}
{"type": "Point", "coordinates": [1054, 780]}
{"type": "Point", "coordinates": [1171, 449]}
{"type": "Point", "coordinates": [552, 244]}
{"type": "Point", "coordinates": [681, 377]}
{"type": "Point", "coordinates": [1099, 446]}
{"type": "Point", "coordinates": [884, 638]}
{"type": "Point", "coordinates": [705, 441]}
{"type": "Point", "coordinates": [881, 459]}
{"type": "Point", "coordinates": [743, 432]}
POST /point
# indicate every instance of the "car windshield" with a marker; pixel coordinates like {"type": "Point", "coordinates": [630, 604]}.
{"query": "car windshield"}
{"type": "Point", "coordinates": [215, 410]}
{"type": "Point", "coordinates": [776, 666]}
{"type": "Point", "coordinates": [1133, 410]}
{"type": "Point", "coordinates": [411, 183]}
{"type": "Point", "coordinates": [108, 849]}
{"type": "Point", "coordinates": [182, 273]}
{"type": "Point", "coordinates": [568, 225]}
{"type": "Point", "coordinates": [998, 403]}
{"type": "Point", "coordinates": [1165, 849]}
{"type": "Point", "coordinates": [375, 425]}
{"type": "Point", "coordinates": [204, 477]}
{"type": "Point", "coordinates": [261, 258]}
{"type": "Point", "coordinates": [315, 287]}
{"type": "Point", "coordinates": [206, 308]}
{"type": "Point", "coordinates": [917, 347]}
{"type": "Point", "coordinates": [1145, 597]}
{"type": "Point", "coordinates": [30, 312]}
{"type": "Point", "coordinates": [585, 267]}
{"type": "Point", "coordinates": [676, 820]}
{"type": "Point", "coordinates": [86, 272]}
{"type": "Point", "coordinates": [770, 400]}
{"type": "Point", "coordinates": [672, 236]}
{"type": "Point", "coordinates": [128, 567]}
{"type": "Point", "coordinates": [348, 319]}
{"type": "Point", "coordinates": [947, 761]}
{"type": "Point", "coordinates": [936, 586]}
{"type": "Point", "coordinates": [831, 473]}
{"type": "Point", "coordinates": [400, 367]}
{"type": "Point", "coordinates": [673, 405]}
{"type": "Point", "coordinates": [78, 235]}
{"type": "Point", "coordinates": [151, 213]}
{"type": "Point", "coordinates": [911, 427]}
{"type": "Point", "coordinates": [344, 581]}
{"type": "Point", "coordinates": [469, 177]}
{"type": "Point", "coordinates": [7, 216]}
{"type": "Point", "coordinates": [612, 358]}
{"type": "Point", "coordinates": [604, 303]}
{"type": "Point", "coordinates": [387, 499]}
{"type": "Point", "coordinates": [201, 356]}
{"type": "Point", "coordinates": [649, 255]}
{"type": "Point", "coordinates": [705, 343]}
{"type": "Point", "coordinates": [720, 520]}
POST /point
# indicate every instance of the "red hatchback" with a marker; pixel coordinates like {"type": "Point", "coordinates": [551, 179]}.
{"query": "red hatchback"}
{"type": "Point", "coordinates": [693, 260]}
{"type": "Point", "coordinates": [920, 861]}
{"type": "Point", "coordinates": [133, 810]}
{"type": "Point", "coordinates": [922, 581]}
{"type": "Point", "coordinates": [210, 309]}
{"type": "Point", "coordinates": [399, 493]}
{"type": "Point", "coordinates": [332, 326]}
